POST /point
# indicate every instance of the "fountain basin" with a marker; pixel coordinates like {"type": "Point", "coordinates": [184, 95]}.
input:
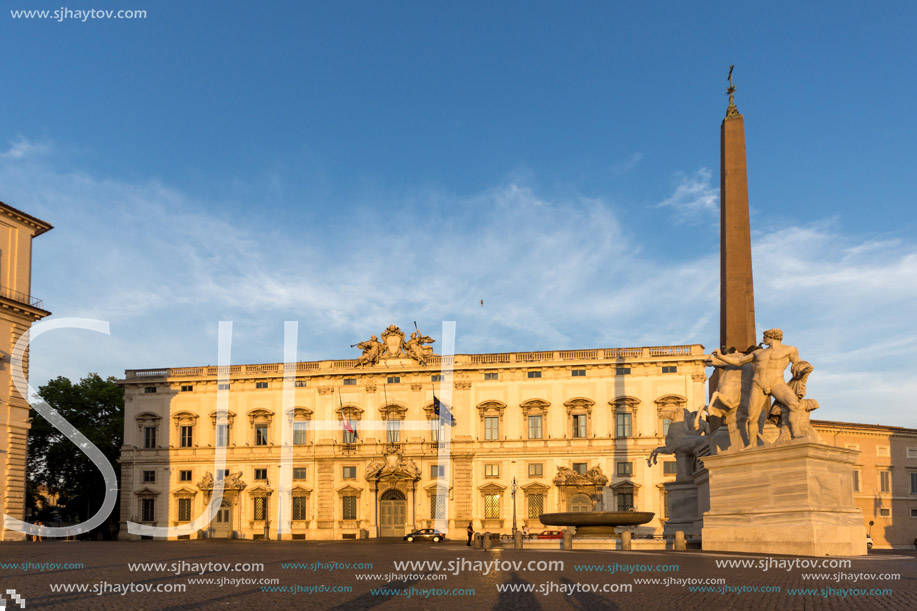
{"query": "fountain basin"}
{"type": "Point", "coordinates": [596, 522]}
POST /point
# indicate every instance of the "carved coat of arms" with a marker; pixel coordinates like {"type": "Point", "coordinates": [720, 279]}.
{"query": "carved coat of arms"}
{"type": "Point", "coordinates": [393, 346]}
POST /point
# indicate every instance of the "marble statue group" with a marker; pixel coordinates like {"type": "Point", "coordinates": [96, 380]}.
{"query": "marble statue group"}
{"type": "Point", "coordinates": [751, 389]}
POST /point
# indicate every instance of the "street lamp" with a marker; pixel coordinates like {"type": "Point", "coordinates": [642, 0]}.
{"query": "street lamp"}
{"type": "Point", "coordinates": [514, 507]}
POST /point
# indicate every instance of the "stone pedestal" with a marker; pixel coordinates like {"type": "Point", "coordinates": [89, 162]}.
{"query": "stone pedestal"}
{"type": "Point", "coordinates": [790, 499]}
{"type": "Point", "coordinates": [682, 509]}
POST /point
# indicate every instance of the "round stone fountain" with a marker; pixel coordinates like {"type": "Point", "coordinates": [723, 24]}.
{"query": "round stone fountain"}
{"type": "Point", "coordinates": [596, 523]}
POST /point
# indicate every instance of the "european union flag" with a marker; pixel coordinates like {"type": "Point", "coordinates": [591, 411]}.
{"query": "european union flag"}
{"type": "Point", "coordinates": [443, 412]}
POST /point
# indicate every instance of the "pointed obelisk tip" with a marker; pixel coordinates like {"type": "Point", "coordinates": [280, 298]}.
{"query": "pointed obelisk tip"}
{"type": "Point", "coordinates": [731, 111]}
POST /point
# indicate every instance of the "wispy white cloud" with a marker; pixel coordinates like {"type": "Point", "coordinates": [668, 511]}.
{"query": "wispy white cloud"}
{"type": "Point", "coordinates": [22, 148]}
{"type": "Point", "coordinates": [554, 273]}
{"type": "Point", "coordinates": [694, 200]}
{"type": "Point", "coordinates": [626, 166]}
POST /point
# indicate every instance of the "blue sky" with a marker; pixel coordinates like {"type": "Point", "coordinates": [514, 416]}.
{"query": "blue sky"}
{"type": "Point", "coordinates": [353, 165]}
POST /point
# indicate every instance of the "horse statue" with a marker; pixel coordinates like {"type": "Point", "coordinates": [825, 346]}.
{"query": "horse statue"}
{"type": "Point", "coordinates": [684, 441]}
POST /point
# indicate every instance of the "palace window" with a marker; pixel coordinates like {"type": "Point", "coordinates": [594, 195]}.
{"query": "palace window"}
{"type": "Point", "coordinates": [669, 369]}
{"type": "Point", "coordinates": [437, 506]}
{"type": "Point", "coordinates": [300, 432]}
{"type": "Point", "coordinates": [349, 508]}
{"type": "Point", "coordinates": [147, 510]}
{"type": "Point", "coordinates": [856, 480]}
{"type": "Point", "coordinates": [492, 470]}
{"type": "Point", "coordinates": [349, 472]}
{"type": "Point", "coordinates": [260, 473]}
{"type": "Point", "coordinates": [579, 414]}
{"type": "Point", "coordinates": [350, 381]}
{"type": "Point", "coordinates": [669, 467]}
{"type": "Point", "coordinates": [260, 384]}
{"type": "Point", "coordinates": [393, 430]}
{"type": "Point", "coordinates": [149, 390]}
{"type": "Point", "coordinates": [436, 377]}
{"type": "Point", "coordinates": [259, 506]}
{"type": "Point", "coordinates": [491, 376]}
{"type": "Point", "coordinates": [885, 512]}
{"type": "Point", "coordinates": [578, 373]}
{"type": "Point", "coordinates": [536, 469]}
{"type": "Point", "coordinates": [533, 374]}
{"type": "Point", "coordinates": [222, 386]}
{"type": "Point", "coordinates": [913, 476]}
{"type": "Point", "coordinates": [187, 436]}
{"type": "Point", "coordinates": [535, 428]}
{"type": "Point", "coordinates": [149, 477]}
{"type": "Point", "coordinates": [622, 371]}
{"type": "Point", "coordinates": [885, 481]}
{"type": "Point", "coordinates": [623, 424]}
{"type": "Point", "coordinates": [222, 435]}
{"type": "Point", "coordinates": [149, 437]}
{"type": "Point", "coordinates": [221, 475]}
{"type": "Point", "coordinates": [299, 473]}
{"type": "Point", "coordinates": [437, 471]}
{"type": "Point", "coordinates": [882, 451]}
{"type": "Point", "coordinates": [393, 380]}
{"type": "Point", "coordinates": [491, 428]}
{"type": "Point", "coordinates": [260, 420]}
{"type": "Point", "coordinates": [912, 452]}
{"type": "Point", "coordinates": [300, 384]}
{"type": "Point", "coordinates": [491, 415]}
{"type": "Point", "coordinates": [625, 499]}
{"type": "Point", "coordinates": [581, 467]}
{"type": "Point", "coordinates": [666, 422]}
{"type": "Point", "coordinates": [184, 510]}
{"type": "Point", "coordinates": [579, 426]}
{"type": "Point", "coordinates": [625, 469]}
{"type": "Point", "coordinates": [187, 388]}
{"type": "Point", "coordinates": [665, 504]}
{"type": "Point", "coordinates": [184, 475]}
{"type": "Point", "coordinates": [535, 505]}
{"type": "Point", "coordinates": [491, 506]}
{"type": "Point", "coordinates": [299, 507]}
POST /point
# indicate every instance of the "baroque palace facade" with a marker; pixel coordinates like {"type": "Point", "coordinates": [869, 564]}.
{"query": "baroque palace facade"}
{"type": "Point", "coordinates": [565, 430]}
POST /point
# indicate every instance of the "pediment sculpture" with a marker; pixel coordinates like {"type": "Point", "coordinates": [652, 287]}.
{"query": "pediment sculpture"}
{"type": "Point", "coordinates": [394, 466]}
{"type": "Point", "coordinates": [232, 481]}
{"type": "Point", "coordinates": [568, 477]}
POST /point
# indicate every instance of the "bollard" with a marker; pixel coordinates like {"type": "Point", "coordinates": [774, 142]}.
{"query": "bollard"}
{"type": "Point", "coordinates": [517, 540]}
{"type": "Point", "coordinates": [625, 540]}
{"type": "Point", "coordinates": [567, 541]}
{"type": "Point", "coordinates": [477, 542]}
{"type": "Point", "coordinates": [679, 540]}
{"type": "Point", "coordinates": [488, 542]}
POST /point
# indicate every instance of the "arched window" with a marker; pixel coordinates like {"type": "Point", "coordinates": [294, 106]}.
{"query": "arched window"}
{"type": "Point", "coordinates": [579, 502]}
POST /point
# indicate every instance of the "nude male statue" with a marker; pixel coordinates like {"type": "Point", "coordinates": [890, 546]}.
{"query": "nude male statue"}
{"type": "Point", "coordinates": [770, 364]}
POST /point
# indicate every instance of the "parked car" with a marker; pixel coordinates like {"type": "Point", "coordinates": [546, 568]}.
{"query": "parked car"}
{"type": "Point", "coordinates": [426, 534]}
{"type": "Point", "coordinates": [868, 542]}
{"type": "Point", "coordinates": [549, 534]}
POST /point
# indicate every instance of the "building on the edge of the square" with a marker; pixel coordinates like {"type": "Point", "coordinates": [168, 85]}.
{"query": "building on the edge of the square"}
{"type": "Point", "coordinates": [884, 477]}
{"type": "Point", "coordinates": [572, 427]}
{"type": "Point", "coordinates": [18, 310]}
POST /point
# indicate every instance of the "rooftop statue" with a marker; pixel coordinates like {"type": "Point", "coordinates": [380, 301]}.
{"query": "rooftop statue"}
{"type": "Point", "coordinates": [393, 346]}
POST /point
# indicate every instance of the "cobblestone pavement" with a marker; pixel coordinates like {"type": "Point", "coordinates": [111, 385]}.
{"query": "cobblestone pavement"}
{"type": "Point", "coordinates": [471, 581]}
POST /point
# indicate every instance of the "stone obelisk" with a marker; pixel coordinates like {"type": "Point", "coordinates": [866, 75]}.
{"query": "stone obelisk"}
{"type": "Point", "coordinates": [737, 296]}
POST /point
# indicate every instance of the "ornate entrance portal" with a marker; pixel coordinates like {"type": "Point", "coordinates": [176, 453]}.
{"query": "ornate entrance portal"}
{"type": "Point", "coordinates": [392, 514]}
{"type": "Point", "coordinates": [222, 522]}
